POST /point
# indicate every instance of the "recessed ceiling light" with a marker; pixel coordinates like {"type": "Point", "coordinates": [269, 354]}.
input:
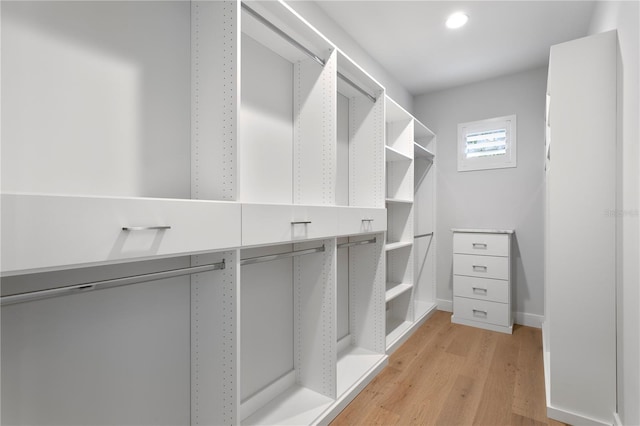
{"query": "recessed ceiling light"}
{"type": "Point", "coordinates": [456, 20]}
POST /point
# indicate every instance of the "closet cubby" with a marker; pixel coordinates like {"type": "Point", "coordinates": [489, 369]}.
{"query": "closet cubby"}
{"type": "Point", "coordinates": [361, 348]}
{"type": "Point", "coordinates": [288, 333]}
{"type": "Point", "coordinates": [119, 355]}
{"type": "Point", "coordinates": [104, 131]}
{"type": "Point", "coordinates": [287, 112]}
{"type": "Point", "coordinates": [360, 137]}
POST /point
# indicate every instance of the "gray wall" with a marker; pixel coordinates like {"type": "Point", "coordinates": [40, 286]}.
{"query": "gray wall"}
{"type": "Point", "coordinates": [338, 36]}
{"type": "Point", "coordinates": [509, 198]}
{"type": "Point", "coordinates": [623, 16]}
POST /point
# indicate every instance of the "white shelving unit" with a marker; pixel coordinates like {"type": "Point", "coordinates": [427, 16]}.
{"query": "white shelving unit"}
{"type": "Point", "coordinates": [247, 135]}
{"type": "Point", "coordinates": [410, 199]}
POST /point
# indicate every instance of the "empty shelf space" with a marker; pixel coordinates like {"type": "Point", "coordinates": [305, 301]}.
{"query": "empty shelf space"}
{"type": "Point", "coordinates": [396, 329]}
{"type": "Point", "coordinates": [398, 245]}
{"type": "Point", "coordinates": [295, 406]}
{"type": "Point", "coordinates": [395, 155]}
{"type": "Point", "coordinates": [355, 365]}
{"type": "Point", "coordinates": [398, 201]}
{"type": "Point", "coordinates": [396, 289]}
{"type": "Point", "coordinates": [421, 152]}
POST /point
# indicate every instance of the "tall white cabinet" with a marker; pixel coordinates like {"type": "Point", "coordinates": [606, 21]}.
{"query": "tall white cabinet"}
{"type": "Point", "coordinates": [194, 216]}
{"type": "Point", "coordinates": [580, 271]}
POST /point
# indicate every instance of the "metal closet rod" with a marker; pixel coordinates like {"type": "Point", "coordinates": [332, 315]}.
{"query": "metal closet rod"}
{"type": "Point", "coordinates": [302, 48]}
{"type": "Point", "coordinates": [270, 257]}
{"type": "Point", "coordinates": [116, 282]}
{"type": "Point", "coordinates": [423, 235]}
{"type": "Point", "coordinates": [357, 243]}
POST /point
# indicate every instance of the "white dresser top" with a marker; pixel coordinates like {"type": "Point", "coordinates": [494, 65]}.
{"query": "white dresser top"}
{"type": "Point", "coordinates": [483, 231]}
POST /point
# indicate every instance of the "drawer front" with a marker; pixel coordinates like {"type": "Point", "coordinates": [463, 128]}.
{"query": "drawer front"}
{"type": "Point", "coordinates": [51, 232]}
{"type": "Point", "coordinates": [355, 220]}
{"type": "Point", "coordinates": [274, 223]}
{"type": "Point", "coordinates": [481, 266]}
{"type": "Point", "coordinates": [482, 311]}
{"type": "Point", "coordinates": [481, 288]}
{"type": "Point", "coordinates": [481, 244]}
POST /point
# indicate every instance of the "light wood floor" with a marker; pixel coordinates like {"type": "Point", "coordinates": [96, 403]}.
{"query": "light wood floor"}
{"type": "Point", "coordinates": [450, 374]}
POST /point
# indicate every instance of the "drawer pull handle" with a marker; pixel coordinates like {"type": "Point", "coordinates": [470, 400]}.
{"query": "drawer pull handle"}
{"type": "Point", "coordinates": [478, 311]}
{"type": "Point", "coordinates": [479, 268]}
{"type": "Point", "coordinates": [367, 220]}
{"type": "Point", "coordinates": [477, 289]}
{"type": "Point", "coordinates": [482, 246]}
{"type": "Point", "coordinates": [301, 222]}
{"type": "Point", "coordinates": [146, 228]}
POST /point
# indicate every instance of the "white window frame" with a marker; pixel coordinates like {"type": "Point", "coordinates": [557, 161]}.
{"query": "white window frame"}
{"type": "Point", "coordinates": [507, 122]}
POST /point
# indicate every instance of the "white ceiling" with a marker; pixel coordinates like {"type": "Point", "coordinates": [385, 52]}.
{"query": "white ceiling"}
{"type": "Point", "coordinates": [409, 38]}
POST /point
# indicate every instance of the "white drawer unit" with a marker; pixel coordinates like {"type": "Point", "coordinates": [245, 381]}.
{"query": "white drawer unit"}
{"type": "Point", "coordinates": [481, 266]}
{"type": "Point", "coordinates": [277, 223]}
{"type": "Point", "coordinates": [360, 220]}
{"type": "Point", "coordinates": [46, 232]}
{"type": "Point", "coordinates": [482, 279]}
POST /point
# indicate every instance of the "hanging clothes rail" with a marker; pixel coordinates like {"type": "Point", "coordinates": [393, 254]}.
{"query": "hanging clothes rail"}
{"type": "Point", "coordinates": [116, 282]}
{"type": "Point", "coordinates": [270, 257]}
{"type": "Point", "coordinates": [302, 48]}
{"type": "Point", "coordinates": [357, 243]}
{"type": "Point", "coordinates": [423, 235]}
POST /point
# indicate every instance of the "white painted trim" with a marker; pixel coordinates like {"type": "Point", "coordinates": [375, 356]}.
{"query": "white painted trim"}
{"type": "Point", "coordinates": [530, 320]}
{"type": "Point", "coordinates": [616, 419]}
{"type": "Point", "coordinates": [445, 305]}
{"type": "Point", "coordinates": [573, 418]}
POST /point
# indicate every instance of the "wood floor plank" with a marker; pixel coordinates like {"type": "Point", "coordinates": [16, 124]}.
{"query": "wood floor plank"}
{"type": "Point", "coordinates": [497, 394]}
{"type": "Point", "coordinates": [529, 382]}
{"type": "Point", "coordinates": [450, 374]}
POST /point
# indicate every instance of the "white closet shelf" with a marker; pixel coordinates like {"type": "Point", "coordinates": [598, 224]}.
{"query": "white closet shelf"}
{"type": "Point", "coordinates": [354, 364]}
{"type": "Point", "coordinates": [421, 152]}
{"type": "Point", "coordinates": [395, 155]}
{"type": "Point", "coordinates": [396, 289]}
{"type": "Point", "coordinates": [398, 201]}
{"type": "Point", "coordinates": [397, 245]}
{"type": "Point", "coordinates": [296, 406]}
{"type": "Point", "coordinates": [422, 132]}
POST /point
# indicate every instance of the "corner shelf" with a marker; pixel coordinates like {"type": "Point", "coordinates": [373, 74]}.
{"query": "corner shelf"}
{"type": "Point", "coordinates": [396, 289]}
{"type": "Point", "coordinates": [421, 152]}
{"type": "Point", "coordinates": [398, 201]}
{"type": "Point", "coordinates": [395, 155]}
{"type": "Point", "coordinates": [398, 245]}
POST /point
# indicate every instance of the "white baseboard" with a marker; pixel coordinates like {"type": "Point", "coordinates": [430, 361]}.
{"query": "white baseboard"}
{"type": "Point", "coordinates": [616, 420]}
{"type": "Point", "coordinates": [530, 320]}
{"type": "Point", "coordinates": [445, 305]}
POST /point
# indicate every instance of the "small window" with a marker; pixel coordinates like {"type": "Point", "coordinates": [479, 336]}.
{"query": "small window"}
{"type": "Point", "coordinates": [487, 144]}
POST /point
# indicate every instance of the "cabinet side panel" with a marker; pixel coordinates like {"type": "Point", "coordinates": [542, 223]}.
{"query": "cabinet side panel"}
{"type": "Point", "coordinates": [214, 341]}
{"type": "Point", "coordinates": [315, 320]}
{"type": "Point", "coordinates": [581, 261]}
{"type": "Point", "coordinates": [315, 109]}
{"type": "Point", "coordinates": [214, 99]}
